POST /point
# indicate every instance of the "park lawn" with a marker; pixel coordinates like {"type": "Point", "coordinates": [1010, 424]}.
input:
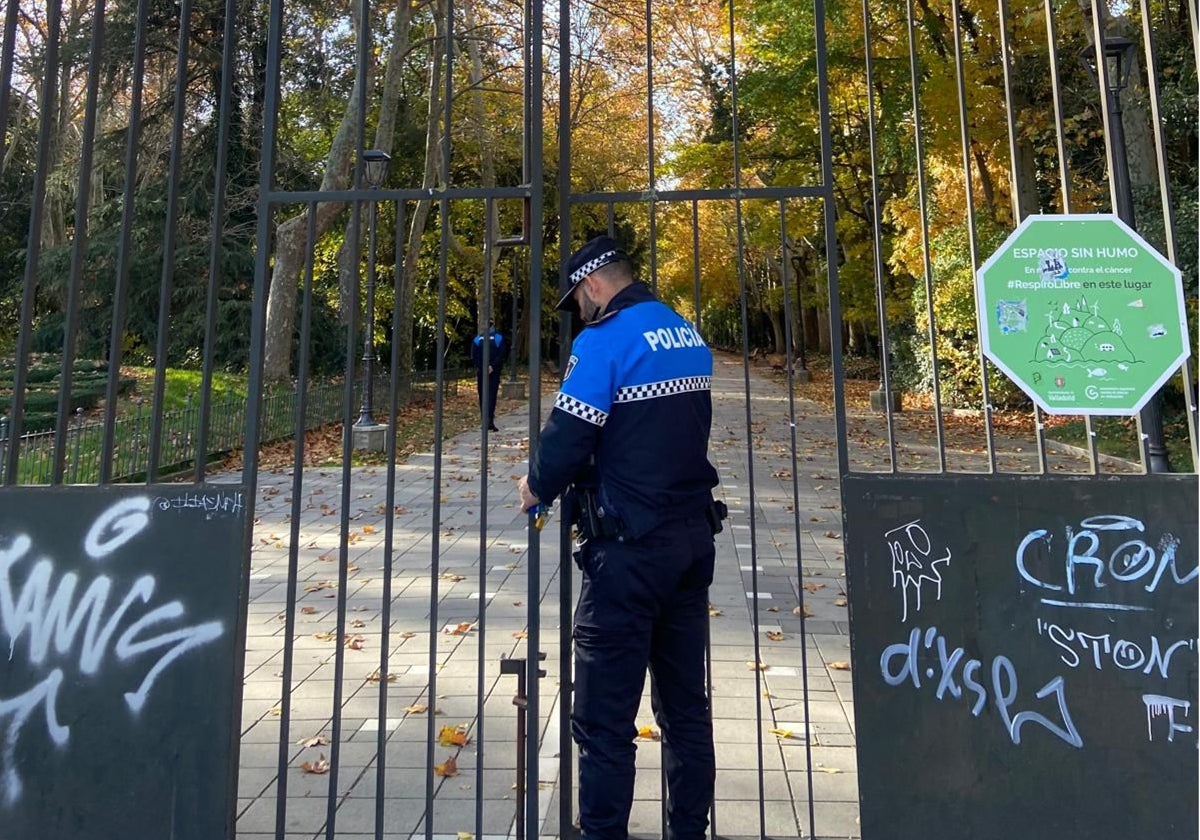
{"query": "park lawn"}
{"type": "Point", "coordinates": [1117, 436]}
{"type": "Point", "coordinates": [178, 386]}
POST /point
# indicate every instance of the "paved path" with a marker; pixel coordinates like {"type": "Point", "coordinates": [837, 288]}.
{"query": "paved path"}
{"type": "Point", "coordinates": [764, 729]}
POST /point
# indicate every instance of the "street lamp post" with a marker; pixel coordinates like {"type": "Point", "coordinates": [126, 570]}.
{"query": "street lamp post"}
{"type": "Point", "coordinates": [1118, 62]}
{"type": "Point", "coordinates": [376, 161]}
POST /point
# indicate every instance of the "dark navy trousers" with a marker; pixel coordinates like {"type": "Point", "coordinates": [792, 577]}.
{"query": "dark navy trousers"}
{"type": "Point", "coordinates": [491, 381]}
{"type": "Point", "coordinates": [644, 603]}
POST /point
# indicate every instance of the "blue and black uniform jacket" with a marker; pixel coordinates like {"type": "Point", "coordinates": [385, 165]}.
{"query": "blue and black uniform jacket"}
{"type": "Point", "coordinates": [635, 401]}
{"type": "Point", "coordinates": [497, 355]}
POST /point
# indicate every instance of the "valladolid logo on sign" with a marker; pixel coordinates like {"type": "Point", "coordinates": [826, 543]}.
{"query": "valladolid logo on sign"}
{"type": "Point", "coordinates": [1082, 314]}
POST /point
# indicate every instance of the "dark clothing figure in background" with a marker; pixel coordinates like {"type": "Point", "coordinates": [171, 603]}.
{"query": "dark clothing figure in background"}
{"type": "Point", "coordinates": [627, 441]}
{"type": "Point", "coordinates": [487, 381]}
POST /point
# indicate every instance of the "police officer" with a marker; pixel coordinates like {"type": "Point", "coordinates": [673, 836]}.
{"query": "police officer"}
{"type": "Point", "coordinates": [628, 440]}
{"type": "Point", "coordinates": [497, 355]}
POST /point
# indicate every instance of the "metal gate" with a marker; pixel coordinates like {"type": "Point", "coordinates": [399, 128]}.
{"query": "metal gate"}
{"type": "Point", "coordinates": [400, 633]}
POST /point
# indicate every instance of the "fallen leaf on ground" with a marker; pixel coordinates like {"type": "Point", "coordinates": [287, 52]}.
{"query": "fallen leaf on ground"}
{"type": "Point", "coordinates": [775, 635]}
{"type": "Point", "coordinates": [762, 666]}
{"type": "Point", "coordinates": [813, 587]}
{"type": "Point", "coordinates": [452, 577]}
{"type": "Point", "coordinates": [368, 529]}
{"type": "Point", "coordinates": [840, 666]}
{"type": "Point", "coordinates": [521, 634]}
{"type": "Point", "coordinates": [806, 611]}
{"type": "Point", "coordinates": [375, 676]}
{"type": "Point", "coordinates": [313, 741]}
{"type": "Point", "coordinates": [454, 736]}
{"type": "Point", "coordinates": [839, 602]}
{"type": "Point", "coordinates": [782, 733]}
{"type": "Point", "coordinates": [407, 634]}
{"type": "Point", "coordinates": [772, 609]}
{"type": "Point", "coordinates": [465, 835]}
{"type": "Point", "coordinates": [447, 768]}
{"type": "Point", "coordinates": [713, 611]}
{"type": "Point", "coordinates": [416, 709]}
{"type": "Point", "coordinates": [323, 636]}
{"type": "Point", "coordinates": [649, 733]}
{"type": "Point", "coordinates": [308, 610]}
{"type": "Point", "coordinates": [462, 629]}
{"type": "Point", "coordinates": [319, 767]}
{"type": "Point", "coordinates": [833, 535]}
{"type": "Point", "coordinates": [355, 642]}
{"type": "Point", "coordinates": [830, 770]}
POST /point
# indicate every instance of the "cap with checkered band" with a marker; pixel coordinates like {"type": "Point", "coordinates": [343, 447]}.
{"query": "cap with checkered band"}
{"type": "Point", "coordinates": [597, 252]}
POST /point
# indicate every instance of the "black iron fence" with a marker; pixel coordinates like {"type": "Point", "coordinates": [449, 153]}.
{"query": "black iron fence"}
{"type": "Point", "coordinates": [180, 430]}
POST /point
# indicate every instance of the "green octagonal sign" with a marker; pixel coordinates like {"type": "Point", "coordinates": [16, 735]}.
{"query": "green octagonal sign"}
{"type": "Point", "coordinates": [1082, 314]}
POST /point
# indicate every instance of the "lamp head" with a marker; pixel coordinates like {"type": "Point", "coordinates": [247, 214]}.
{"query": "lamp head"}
{"type": "Point", "coordinates": [1118, 62]}
{"type": "Point", "coordinates": [376, 161]}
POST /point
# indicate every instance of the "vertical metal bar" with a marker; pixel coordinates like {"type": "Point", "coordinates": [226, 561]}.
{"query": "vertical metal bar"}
{"type": "Point", "coordinates": [533, 640]}
{"type": "Point", "coordinates": [228, 51]}
{"type": "Point", "coordinates": [167, 281]}
{"type": "Point", "coordinates": [83, 193]}
{"type": "Point", "coordinates": [339, 657]}
{"type": "Point", "coordinates": [389, 525]}
{"type": "Point", "coordinates": [1168, 206]}
{"type": "Point", "coordinates": [254, 385]}
{"type": "Point", "coordinates": [885, 372]}
{"type": "Point", "coordinates": [566, 762]}
{"type": "Point", "coordinates": [7, 59]}
{"type": "Point", "coordinates": [922, 197]}
{"type": "Point", "coordinates": [652, 183]}
{"type": "Point", "coordinates": [791, 379]}
{"type": "Point", "coordinates": [1194, 19]}
{"type": "Point", "coordinates": [1118, 183]}
{"type": "Point", "coordinates": [439, 405]}
{"type": "Point", "coordinates": [34, 242]}
{"type": "Point", "coordinates": [352, 312]}
{"type": "Point", "coordinates": [489, 235]}
{"type": "Point", "coordinates": [696, 261]}
{"type": "Point", "coordinates": [744, 294]}
{"type": "Point", "coordinates": [972, 234]}
{"type": "Point", "coordinates": [1065, 182]}
{"type": "Point", "coordinates": [289, 625]}
{"type": "Point", "coordinates": [1015, 180]}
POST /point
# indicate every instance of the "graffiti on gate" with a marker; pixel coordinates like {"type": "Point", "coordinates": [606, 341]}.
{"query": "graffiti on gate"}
{"type": "Point", "coordinates": [67, 625]}
{"type": "Point", "coordinates": [1105, 565]}
{"type": "Point", "coordinates": [914, 564]}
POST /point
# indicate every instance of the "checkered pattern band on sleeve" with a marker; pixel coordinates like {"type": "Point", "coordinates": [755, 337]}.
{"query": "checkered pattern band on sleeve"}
{"type": "Point", "coordinates": [580, 409]}
{"type": "Point", "coordinates": [666, 388]}
{"type": "Point", "coordinates": [590, 266]}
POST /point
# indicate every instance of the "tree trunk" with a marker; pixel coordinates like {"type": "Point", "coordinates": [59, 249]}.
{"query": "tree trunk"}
{"type": "Point", "coordinates": [487, 163]}
{"type": "Point", "coordinates": [824, 342]}
{"type": "Point", "coordinates": [812, 329]}
{"type": "Point", "coordinates": [407, 299]}
{"type": "Point", "coordinates": [290, 240]}
{"type": "Point", "coordinates": [385, 131]}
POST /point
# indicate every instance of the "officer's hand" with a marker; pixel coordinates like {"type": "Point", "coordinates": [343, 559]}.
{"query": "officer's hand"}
{"type": "Point", "coordinates": [528, 500]}
{"type": "Point", "coordinates": [491, 369]}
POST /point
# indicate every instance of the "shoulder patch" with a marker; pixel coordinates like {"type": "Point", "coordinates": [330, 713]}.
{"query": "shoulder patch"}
{"type": "Point", "coordinates": [570, 367]}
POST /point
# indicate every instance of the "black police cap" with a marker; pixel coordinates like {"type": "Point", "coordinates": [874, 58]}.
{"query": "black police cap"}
{"type": "Point", "coordinates": [598, 252]}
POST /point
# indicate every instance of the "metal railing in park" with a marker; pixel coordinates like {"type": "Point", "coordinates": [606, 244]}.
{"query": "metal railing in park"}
{"type": "Point", "coordinates": [180, 432]}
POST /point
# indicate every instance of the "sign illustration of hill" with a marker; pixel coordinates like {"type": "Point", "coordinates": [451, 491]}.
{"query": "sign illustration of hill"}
{"type": "Point", "coordinates": [1079, 334]}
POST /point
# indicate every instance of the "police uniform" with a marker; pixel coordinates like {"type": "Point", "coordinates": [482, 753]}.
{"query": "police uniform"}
{"type": "Point", "coordinates": [497, 355]}
{"type": "Point", "coordinates": [627, 439]}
